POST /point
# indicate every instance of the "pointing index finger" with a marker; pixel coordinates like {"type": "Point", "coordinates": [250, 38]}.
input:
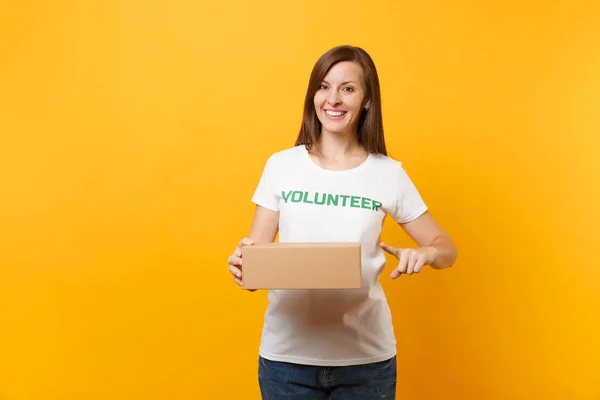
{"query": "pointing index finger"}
{"type": "Point", "coordinates": [392, 250]}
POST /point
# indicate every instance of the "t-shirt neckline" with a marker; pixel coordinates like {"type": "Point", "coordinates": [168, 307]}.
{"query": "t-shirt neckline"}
{"type": "Point", "coordinates": [322, 170]}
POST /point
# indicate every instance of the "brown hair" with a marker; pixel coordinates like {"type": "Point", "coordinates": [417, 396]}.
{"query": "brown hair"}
{"type": "Point", "coordinates": [370, 124]}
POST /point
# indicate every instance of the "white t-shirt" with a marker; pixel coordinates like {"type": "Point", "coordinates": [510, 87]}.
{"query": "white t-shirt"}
{"type": "Point", "coordinates": [334, 327]}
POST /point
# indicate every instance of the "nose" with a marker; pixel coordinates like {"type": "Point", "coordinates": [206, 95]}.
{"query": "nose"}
{"type": "Point", "coordinates": [333, 98]}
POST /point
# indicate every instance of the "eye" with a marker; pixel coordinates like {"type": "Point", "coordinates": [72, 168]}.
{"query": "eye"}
{"type": "Point", "coordinates": [348, 89]}
{"type": "Point", "coordinates": [322, 86]}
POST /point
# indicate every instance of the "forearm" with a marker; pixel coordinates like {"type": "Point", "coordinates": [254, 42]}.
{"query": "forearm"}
{"type": "Point", "coordinates": [445, 252]}
{"type": "Point", "coordinates": [265, 226]}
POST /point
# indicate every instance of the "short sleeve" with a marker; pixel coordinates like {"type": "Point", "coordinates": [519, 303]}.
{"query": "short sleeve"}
{"type": "Point", "coordinates": [409, 203]}
{"type": "Point", "coordinates": [265, 194]}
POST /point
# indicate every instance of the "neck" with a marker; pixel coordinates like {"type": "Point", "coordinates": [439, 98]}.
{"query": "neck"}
{"type": "Point", "coordinates": [334, 145]}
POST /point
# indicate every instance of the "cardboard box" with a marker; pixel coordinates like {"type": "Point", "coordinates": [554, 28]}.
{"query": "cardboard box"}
{"type": "Point", "coordinates": [302, 266]}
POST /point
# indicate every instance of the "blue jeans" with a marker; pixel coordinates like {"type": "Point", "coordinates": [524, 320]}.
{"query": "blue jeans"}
{"type": "Point", "coordinates": [282, 380]}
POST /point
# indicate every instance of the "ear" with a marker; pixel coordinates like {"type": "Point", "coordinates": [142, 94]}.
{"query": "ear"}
{"type": "Point", "coordinates": [367, 105]}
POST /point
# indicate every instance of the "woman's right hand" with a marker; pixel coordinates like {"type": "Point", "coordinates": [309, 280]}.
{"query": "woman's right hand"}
{"type": "Point", "coordinates": [235, 261]}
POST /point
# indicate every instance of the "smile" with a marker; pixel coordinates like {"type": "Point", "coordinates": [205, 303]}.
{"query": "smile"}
{"type": "Point", "coordinates": [335, 113]}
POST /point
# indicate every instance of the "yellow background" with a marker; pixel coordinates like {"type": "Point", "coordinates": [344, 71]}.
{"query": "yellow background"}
{"type": "Point", "coordinates": [132, 137]}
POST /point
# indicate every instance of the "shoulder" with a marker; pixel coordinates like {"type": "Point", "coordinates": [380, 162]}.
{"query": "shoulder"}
{"type": "Point", "coordinates": [393, 170]}
{"type": "Point", "coordinates": [286, 156]}
{"type": "Point", "coordinates": [387, 164]}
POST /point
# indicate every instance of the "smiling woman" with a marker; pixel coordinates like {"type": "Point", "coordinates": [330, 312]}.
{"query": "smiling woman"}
{"type": "Point", "coordinates": [343, 93]}
{"type": "Point", "coordinates": [324, 190]}
{"type": "Point", "coordinates": [339, 101]}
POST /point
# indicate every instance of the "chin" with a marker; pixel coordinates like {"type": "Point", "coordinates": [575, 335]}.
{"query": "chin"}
{"type": "Point", "coordinates": [333, 127]}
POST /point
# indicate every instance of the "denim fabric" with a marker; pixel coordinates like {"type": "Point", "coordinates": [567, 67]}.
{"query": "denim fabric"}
{"type": "Point", "coordinates": [281, 380]}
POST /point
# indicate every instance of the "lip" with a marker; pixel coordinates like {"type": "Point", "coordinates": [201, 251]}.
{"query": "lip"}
{"type": "Point", "coordinates": [334, 118]}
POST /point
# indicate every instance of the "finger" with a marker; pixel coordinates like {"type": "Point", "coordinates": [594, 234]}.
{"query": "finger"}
{"type": "Point", "coordinates": [238, 252]}
{"type": "Point", "coordinates": [236, 272]}
{"type": "Point", "coordinates": [243, 242]}
{"type": "Point", "coordinates": [234, 260]}
{"type": "Point", "coordinates": [403, 262]}
{"type": "Point", "coordinates": [238, 281]}
{"type": "Point", "coordinates": [401, 268]}
{"type": "Point", "coordinates": [392, 250]}
{"type": "Point", "coordinates": [419, 264]}
{"type": "Point", "coordinates": [412, 260]}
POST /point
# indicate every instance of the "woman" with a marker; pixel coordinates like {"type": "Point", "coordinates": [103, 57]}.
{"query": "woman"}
{"type": "Point", "coordinates": [338, 344]}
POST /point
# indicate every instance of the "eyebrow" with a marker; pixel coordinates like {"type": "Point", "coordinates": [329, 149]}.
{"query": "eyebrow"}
{"type": "Point", "coordinates": [343, 83]}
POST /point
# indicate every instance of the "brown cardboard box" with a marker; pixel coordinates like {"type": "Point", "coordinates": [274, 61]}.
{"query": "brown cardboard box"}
{"type": "Point", "coordinates": [302, 266]}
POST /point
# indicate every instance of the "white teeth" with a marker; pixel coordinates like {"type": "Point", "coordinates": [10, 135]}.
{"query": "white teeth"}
{"type": "Point", "coordinates": [335, 113]}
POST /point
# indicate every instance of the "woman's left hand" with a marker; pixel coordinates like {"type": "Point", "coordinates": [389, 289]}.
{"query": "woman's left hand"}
{"type": "Point", "coordinates": [411, 260]}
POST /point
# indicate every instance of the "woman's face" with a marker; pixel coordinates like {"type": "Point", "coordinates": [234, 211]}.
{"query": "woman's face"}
{"type": "Point", "coordinates": [340, 98]}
